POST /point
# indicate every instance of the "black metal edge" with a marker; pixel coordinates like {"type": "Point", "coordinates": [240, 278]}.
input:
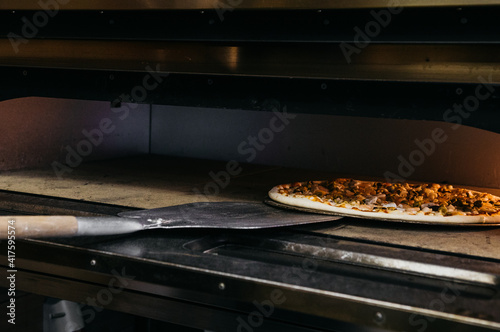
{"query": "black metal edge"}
{"type": "Point", "coordinates": [150, 5]}
{"type": "Point", "coordinates": [472, 24]}
{"type": "Point", "coordinates": [317, 315]}
{"type": "Point", "coordinates": [20, 202]}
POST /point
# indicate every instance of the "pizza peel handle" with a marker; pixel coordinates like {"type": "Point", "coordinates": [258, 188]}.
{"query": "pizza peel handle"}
{"type": "Point", "coordinates": [12, 227]}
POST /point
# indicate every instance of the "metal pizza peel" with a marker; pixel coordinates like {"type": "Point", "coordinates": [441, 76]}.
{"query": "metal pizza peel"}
{"type": "Point", "coordinates": [222, 215]}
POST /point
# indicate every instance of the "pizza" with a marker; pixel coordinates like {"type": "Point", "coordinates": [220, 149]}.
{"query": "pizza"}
{"type": "Point", "coordinates": [417, 202]}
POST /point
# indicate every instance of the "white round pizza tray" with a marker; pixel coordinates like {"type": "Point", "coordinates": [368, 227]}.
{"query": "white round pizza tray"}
{"type": "Point", "coordinates": [268, 200]}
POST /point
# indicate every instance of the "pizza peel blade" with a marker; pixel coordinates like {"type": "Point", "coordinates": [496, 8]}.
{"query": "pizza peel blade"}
{"type": "Point", "coordinates": [222, 215]}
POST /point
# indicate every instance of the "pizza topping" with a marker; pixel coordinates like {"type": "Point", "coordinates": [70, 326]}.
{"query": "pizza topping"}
{"type": "Point", "coordinates": [428, 199]}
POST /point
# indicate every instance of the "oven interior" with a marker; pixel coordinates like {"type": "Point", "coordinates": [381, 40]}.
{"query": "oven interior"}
{"type": "Point", "coordinates": [116, 107]}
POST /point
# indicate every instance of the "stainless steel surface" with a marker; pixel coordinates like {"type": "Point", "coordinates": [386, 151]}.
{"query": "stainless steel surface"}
{"type": "Point", "coordinates": [223, 215]}
{"type": "Point", "coordinates": [246, 4]}
{"type": "Point", "coordinates": [88, 226]}
{"type": "Point", "coordinates": [396, 62]}
{"type": "Point", "coordinates": [460, 240]}
{"type": "Point", "coordinates": [62, 316]}
{"type": "Point", "coordinates": [400, 265]}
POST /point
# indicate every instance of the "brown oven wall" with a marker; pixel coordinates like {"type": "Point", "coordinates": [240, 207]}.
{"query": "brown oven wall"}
{"type": "Point", "coordinates": [338, 144]}
{"type": "Point", "coordinates": [410, 149]}
{"type": "Point", "coordinates": [37, 132]}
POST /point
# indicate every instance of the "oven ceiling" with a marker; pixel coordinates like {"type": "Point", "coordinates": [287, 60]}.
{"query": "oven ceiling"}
{"type": "Point", "coordinates": [247, 4]}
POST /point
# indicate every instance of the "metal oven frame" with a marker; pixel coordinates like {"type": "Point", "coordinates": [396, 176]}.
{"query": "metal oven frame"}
{"type": "Point", "coordinates": [228, 55]}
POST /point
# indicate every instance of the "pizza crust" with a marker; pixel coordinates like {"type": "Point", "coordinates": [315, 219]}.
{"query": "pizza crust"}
{"type": "Point", "coordinates": [302, 201]}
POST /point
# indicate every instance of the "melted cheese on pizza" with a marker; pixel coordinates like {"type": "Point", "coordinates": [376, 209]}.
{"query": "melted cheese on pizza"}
{"type": "Point", "coordinates": [428, 199]}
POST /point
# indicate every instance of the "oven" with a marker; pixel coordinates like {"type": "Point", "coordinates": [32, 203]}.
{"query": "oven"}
{"type": "Point", "coordinates": [114, 106]}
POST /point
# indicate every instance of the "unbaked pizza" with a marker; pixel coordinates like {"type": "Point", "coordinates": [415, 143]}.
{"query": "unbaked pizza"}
{"type": "Point", "coordinates": [433, 203]}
